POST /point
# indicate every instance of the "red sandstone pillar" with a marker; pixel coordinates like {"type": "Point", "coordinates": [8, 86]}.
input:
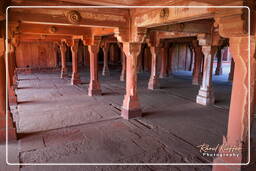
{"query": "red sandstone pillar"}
{"type": "Point", "coordinates": [105, 70]}
{"type": "Point", "coordinates": [123, 60]}
{"type": "Point", "coordinates": [205, 95]}
{"type": "Point", "coordinates": [63, 50]}
{"type": "Point", "coordinates": [94, 86]}
{"type": "Point", "coordinates": [11, 128]}
{"type": "Point", "coordinates": [139, 69]}
{"type": "Point", "coordinates": [231, 73]}
{"type": "Point", "coordinates": [239, 111]}
{"type": "Point", "coordinates": [131, 107]}
{"type": "Point", "coordinates": [218, 70]}
{"type": "Point", "coordinates": [11, 72]}
{"type": "Point", "coordinates": [164, 56]}
{"type": "Point", "coordinates": [152, 84]}
{"type": "Point", "coordinates": [197, 75]}
{"type": "Point", "coordinates": [75, 75]}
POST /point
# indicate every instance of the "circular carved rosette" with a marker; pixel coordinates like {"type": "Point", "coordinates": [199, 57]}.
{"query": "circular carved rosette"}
{"type": "Point", "coordinates": [164, 13]}
{"type": "Point", "coordinates": [52, 29]}
{"type": "Point", "coordinates": [74, 17]}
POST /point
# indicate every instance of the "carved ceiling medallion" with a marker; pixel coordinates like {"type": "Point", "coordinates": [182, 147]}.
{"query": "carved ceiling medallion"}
{"type": "Point", "coordinates": [74, 17]}
{"type": "Point", "coordinates": [52, 29]}
{"type": "Point", "coordinates": [164, 13]}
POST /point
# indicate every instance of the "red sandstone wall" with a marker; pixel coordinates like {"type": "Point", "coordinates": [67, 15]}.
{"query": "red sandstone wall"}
{"type": "Point", "coordinates": [181, 57]}
{"type": "Point", "coordinates": [35, 54]}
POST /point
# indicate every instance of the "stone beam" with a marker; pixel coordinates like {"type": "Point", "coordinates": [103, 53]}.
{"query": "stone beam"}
{"type": "Point", "coordinates": [163, 16]}
{"type": "Point", "coordinates": [76, 17]}
{"type": "Point", "coordinates": [201, 26]}
{"type": "Point", "coordinates": [174, 35]}
{"type": "Point", "coordinates": [45, 29]}
{"type": "Point", "coordinates": [33, 37]}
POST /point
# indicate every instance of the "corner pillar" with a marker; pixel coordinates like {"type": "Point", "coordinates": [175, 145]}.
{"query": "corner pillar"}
{"type": "Point", "coordinates": [12, 97]}
{"type": "Point", "coordinates": [241, 98]}
{"type": "Point", "coordinates": [11, 127]}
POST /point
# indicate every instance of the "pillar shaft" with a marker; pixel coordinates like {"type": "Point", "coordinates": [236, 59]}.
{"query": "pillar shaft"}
{"type": "Point", "coordinates": [11, 128]}
{"type": "Point", "coordinates": [63, 50]}
{"type": "Point", "coordinates": [218, 70]}
{"type": "Point", "coordinates": [231, 72]}
{"type": "Point", "coordinates": [122, 77]}
{"type": "Point", "coordinates": [75, 75]}
{"type": "Point", "coordinates": [164, 55]}
{"type": "Point", "coordinates": [152, 84]}
{"type": "Point", "coordinates": [241, 98]}
{"type": "Point", "coordinates": [94, 86]}
{"type": "Point", "coordinates": [105, 70]}
{"type": "Point", "coordinates": [198, 59]}
{"type": "Point", "coordinates": [11, 72]}
{"type": "Point", "coordinates": [131, 107]}
{"type": "Point", "coordinates": [205, 95]}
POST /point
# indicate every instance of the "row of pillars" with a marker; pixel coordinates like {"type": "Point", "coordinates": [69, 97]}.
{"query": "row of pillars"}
{"type": "Point", "coordinates": [202, 70]}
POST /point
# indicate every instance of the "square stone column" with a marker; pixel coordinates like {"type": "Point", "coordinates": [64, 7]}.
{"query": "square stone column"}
{"type": "Point", "coordinates": [242, 103]}
{"type": "Point", "coordinates": [94, 86]}
{"type": "Point", "coordinates": [152, 84]}
{"type": "Point", "coordinates": [131, 107]}
{"type": "Point", "coordinates": [206, 95]}
{"type": "Point", "coordinates": [105, 70]}
{"type": "Point", "coordinates": [75, 75]}
{"type": "Point", "coordinates": [63, 50]}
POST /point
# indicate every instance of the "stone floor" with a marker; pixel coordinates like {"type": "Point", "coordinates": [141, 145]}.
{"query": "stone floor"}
{"type": "Point", "coordinates": [58, 122]}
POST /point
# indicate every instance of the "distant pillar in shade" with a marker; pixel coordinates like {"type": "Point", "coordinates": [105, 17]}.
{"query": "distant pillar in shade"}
{"type": "Point", "coordinates": [164, 56]}
{"type": "Point", "coordinates": [218, 70]}
{"type": "Point", "coordinates": [105, 70]}
{"type": "Point", "coordinates": [63, 50]}
{"type": "Point", "coordinates": [75, 75]}
{"type": "Point", "coordinates": [231, 72]}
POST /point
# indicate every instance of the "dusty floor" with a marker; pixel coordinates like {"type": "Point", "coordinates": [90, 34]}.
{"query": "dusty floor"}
{"type": "Point", "coordinates": [58, 122]}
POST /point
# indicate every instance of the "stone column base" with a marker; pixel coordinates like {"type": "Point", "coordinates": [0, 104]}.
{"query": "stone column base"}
{"type": "Point", "coordinates": [63, 74]}
{"type": "Point", "coordinates": [75, 79]}
{"type": "Point", "coordinates": [129, 114]}
{"type": "Point", "coordinates": [152, 84]}
{"type": "Point", "coordinates": [163, 75]}
{"type": "Point", "coordinates": [205, 97]}
{"type": "Point", "coordinates": [105, 72]}
{"type": "Point", "coordinates": [122, 77]}
{"type": "Point", "coordinates": [94, 89]}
